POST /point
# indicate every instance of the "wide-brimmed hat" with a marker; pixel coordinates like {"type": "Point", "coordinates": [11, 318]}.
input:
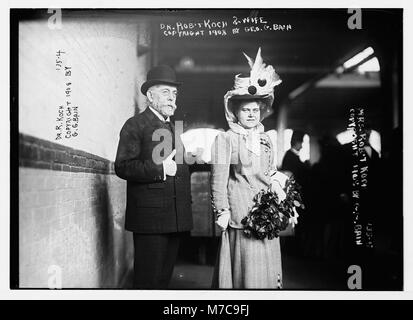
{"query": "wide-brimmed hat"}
{"type": "Point", "coordinates": [161, 74]}
{"type": "Point", "coordinates": [258, 85]}
{"type": "Point", "coordinates": [248, 90]}
{"type": "Point", "coordinates": [245, 91]}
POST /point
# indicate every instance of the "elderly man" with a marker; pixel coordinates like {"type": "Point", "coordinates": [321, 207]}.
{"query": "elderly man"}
{"type": "Point", "coordinates": [158, 208]}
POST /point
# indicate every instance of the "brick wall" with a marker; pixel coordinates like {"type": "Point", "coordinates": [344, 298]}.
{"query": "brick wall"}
{"type": "Point", "coordinates": [71, 205]}
{"type": "Point", "coordinates": [71, 215]}
{"type": "Point", "coordinates": [74, 221]}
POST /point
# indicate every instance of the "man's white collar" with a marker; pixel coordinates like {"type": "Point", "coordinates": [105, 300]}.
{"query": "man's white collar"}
{"type": "Point", "coordinates": [295, 152]}
{"type": "Point", "coordinates": [159, 115]}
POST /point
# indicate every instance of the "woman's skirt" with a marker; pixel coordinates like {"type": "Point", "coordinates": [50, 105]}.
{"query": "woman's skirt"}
{"type": "Point", "coordinates": [248, 263]}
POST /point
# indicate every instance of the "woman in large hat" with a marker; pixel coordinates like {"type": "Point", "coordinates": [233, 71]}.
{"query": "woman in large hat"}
{"type": "Point", "coordinates": [242, 165]}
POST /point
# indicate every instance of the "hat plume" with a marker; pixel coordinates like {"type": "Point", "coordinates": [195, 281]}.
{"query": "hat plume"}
{"type": "Point", "coordinates": [250, 62]}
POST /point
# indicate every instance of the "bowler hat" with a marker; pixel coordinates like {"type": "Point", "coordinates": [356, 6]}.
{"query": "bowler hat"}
{"type": "Point", "coordinates": [162, 74]}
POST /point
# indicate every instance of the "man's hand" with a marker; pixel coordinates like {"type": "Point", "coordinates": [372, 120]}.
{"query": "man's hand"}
{"type": "Point", "coordinates": [169, 164]}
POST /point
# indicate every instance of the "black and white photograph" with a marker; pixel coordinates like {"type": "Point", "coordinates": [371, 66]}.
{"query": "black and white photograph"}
{"type": "Point", "coordinates": [207, 149]}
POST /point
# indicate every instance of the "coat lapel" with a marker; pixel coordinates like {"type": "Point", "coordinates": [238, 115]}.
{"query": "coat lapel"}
{"type": "Point", "coordinates": [156, 122]}
{"type": "Point", "coordinates": [152, 118]}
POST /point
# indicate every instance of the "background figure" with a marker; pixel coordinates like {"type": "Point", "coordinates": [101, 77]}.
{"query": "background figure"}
{"type": "Point", "coordinates": [371, 214]}
{"type": "Point", "coordinates": [292, 163]}
{"type": "Point", "coordinates": [393, 163]}
{"type": "Point", "coordinates": [328, 202]}
{"type": "Point", "coordinates": [158, 207]}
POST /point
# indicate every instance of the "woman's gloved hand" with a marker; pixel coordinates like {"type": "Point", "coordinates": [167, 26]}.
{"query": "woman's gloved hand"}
{"type": "Point", "coordinates": [278, 181]}
{"type": "Point", "coordinates": [280, 177]}
{"type": "Point", "coordinates": [223, 220]}
{"type": "Point", "coordinates": [276, 188]}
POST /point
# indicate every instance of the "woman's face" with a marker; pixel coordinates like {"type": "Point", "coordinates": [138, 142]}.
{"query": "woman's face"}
{"type": "Point", "coordinates": [249, 114]}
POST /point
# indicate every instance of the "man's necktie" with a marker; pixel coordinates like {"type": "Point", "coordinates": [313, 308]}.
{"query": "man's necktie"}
{"type": "Point", "coordinates": [171, 127]}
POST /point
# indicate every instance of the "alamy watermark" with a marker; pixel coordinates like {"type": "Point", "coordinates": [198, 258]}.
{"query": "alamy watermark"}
{"type": "Point", "coordinates": [55, 20]}
{"type": "Point", "coordinates": [355, 20]}
{"type": "Point", "coordinates": [354, 281]}
{"type": "Point", "coordinates": [54, 280]}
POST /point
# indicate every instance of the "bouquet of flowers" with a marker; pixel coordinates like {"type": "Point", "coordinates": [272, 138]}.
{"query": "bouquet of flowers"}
{"type": "Point", "coordinates": [272, 213]}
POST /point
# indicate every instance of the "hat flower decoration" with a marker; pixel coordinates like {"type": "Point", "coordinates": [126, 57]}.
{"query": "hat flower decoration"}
{"type": "Point", "coordinates": [259, 85]}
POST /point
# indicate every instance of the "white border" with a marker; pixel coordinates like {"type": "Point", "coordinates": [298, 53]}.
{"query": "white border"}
{"type": "Point", "coordinates": [6, 293]}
